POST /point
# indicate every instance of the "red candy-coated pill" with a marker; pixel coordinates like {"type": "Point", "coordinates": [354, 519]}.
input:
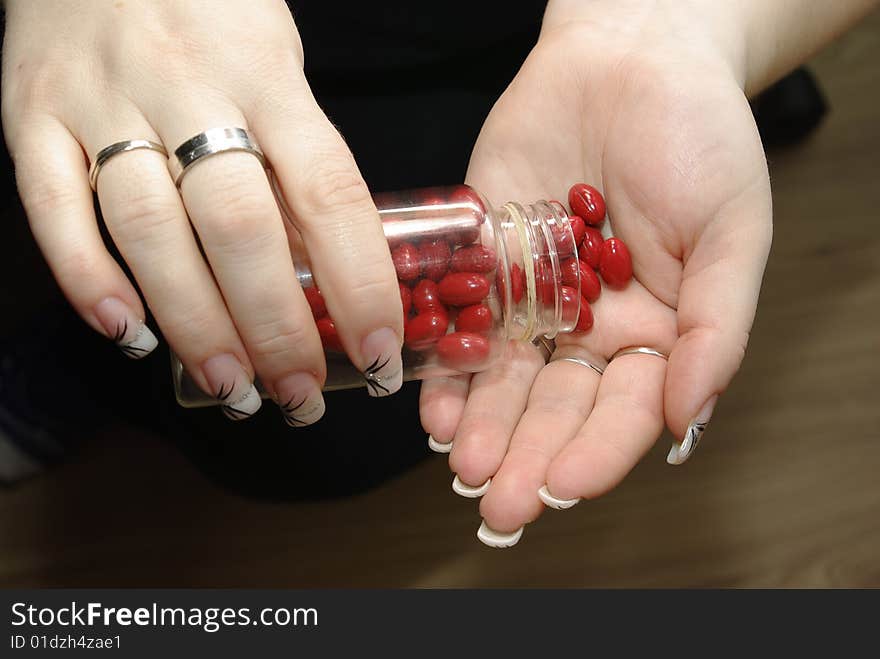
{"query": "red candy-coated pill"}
{"type": "Point", "coordinates": [329, 335]}
{"type": "Point", "coordinates": [475, 258]}
{"type": "Point", "coordinates": [570, 301]}
{"type": "Point", "coordinates": [587, 202]}
{"type": "Point", "coordinates": [463, 288]}
{"type": "Point", "coordinates": [591, 287]}
{"type": "Point", "coordinates": [316, 302]}
{"type": "Point", "coordinates": [591, 249]}
{"type": "Point", "coordinates": [423, 330]}
{"type": "Point", "coordinates": [463, 350]}
{"type": "Point", "coordinates": [476, 318]}
{"type": "Point", "coordinates": [571, 273]}
{"type": "Point", "coordinates": [615, 265]}
{"type": "Point", "coordinates": [426, 296]}
{"type": "Point", "coordinates": [406, 261]}
{"type": "Point", "coordinates": [585, 319]}
{"type": "Point", "coordinates": [562, 237]}
{"type": "Point", "coordinates": [434, 259]}
{"type": "Point", "coordinates": [405, 298]}
{"type": "Point", "coordinates": [517, 282]}
{"type": "Point", "coordinates": [578, 228]}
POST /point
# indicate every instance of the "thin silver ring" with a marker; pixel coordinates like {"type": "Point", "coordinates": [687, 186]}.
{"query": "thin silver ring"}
{"type": "Point", "coordinates": [582, 362]}
{"type": "Point", "coordinates": [210, 143]}
{"type": "Point", "coordinates": [638, 350]}
{"type": "Point", "coordinates": [115, 149]}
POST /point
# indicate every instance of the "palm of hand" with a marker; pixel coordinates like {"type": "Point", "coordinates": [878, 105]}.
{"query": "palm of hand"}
{"type": "Point", "coordinates": [672, 145]}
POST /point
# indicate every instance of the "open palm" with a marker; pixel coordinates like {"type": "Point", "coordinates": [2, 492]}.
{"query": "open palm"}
{"type": "Point", "coordinates": [668, 137]}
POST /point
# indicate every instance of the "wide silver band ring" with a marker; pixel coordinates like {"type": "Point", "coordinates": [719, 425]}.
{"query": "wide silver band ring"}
{"type": "Point", "coordinates": [210, 143]}
{"type": "Point", "coordinates": [581, 362]}
{"type": "Point", "coordinates": [638, 350]}
{"type": "Point", "coordinates": [114, 150]}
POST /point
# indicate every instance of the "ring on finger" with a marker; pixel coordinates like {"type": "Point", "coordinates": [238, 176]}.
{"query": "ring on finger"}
{"type": "Point", "coordinates": [638, 350]}
{"type": "Point", "coordinates": [210, 143]}
{"type": "Point", "coordinates": [114, 150]}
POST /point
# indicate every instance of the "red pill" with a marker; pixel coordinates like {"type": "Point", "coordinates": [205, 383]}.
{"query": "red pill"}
{"type": "Point", "coordinates": [434, 259]}
{"type": "Point", "coordinates": [316, 302]}
{"type": "Point", "coordinates": [475, 258]}
{"type": "Point", "coordinates": [463, 350]}
{"type": "Point", "coordinates": [405, 298]}
{"type": "Point", "coordinates": [587, 202]}
{"type": "Point", "coordinates": [463, 288]}
{"type": "Point", "coordinates": [517, 282]}
{"type": "Point", "coordinates": [570, 301]}
{"type": "Point", "coordinates": [578, 229]}
{"type": "Point", "coordinates": [615, 265]}
{"type": "Point", "coordinates": [423, 330]}
{"type": "Point", "coordinates": [563, 238]}
{"type": "Point", "coordinates": [426, 296]}
{"type": "Point", "coordinates": [591, 249]}
{"type": "Point", "coordinates": [476, 318]}
{"type": "Point", "coordinates": [591, 287]}
{"type": "Point", "coordinates": [571, 273]}
{"type": "Point", "coordinates": [329, 335]}
{"type": "Point", "coordinates": [406, 261]}
{"type": "Point", "coordinates": [585, 319]}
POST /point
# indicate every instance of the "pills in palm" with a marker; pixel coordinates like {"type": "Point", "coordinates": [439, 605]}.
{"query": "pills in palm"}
{"type": "Point", "coordinates": [615, 264]}
{"type": "Point", "coordinates": [587, 203]}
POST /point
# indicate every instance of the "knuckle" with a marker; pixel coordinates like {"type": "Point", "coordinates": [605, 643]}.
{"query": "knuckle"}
{"type": "Point", "coordinates": [238, 213]}
{"type": "Point", "coordinates": [77, 266]}
{"type": "Point", "coordinates": [279, 341]}
{"type": "Point", "coordinates": [143, 214]}
{"type": "Point", "coordinates": [44, 196]}
{"type": "Point", "coordinates": [333, 184]}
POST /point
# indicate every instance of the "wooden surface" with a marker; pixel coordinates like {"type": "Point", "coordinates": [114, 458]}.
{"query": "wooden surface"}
{"type": "Point", "coordinates": [785, 490]}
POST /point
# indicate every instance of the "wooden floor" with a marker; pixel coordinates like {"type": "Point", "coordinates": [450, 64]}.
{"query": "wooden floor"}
{"type": "Point", "coordinates": [785, 490]}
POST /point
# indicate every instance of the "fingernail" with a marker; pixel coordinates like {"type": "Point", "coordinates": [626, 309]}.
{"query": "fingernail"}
{"type": "Point", "coordinates": [553, 502]}
{"type": "Point", "coordinates": [498, 540]}
{"type": "Point", "coordinates": [438, 447]}
{"type": "Point", "coordinates": [679, 453]}
{"type": "Point", "coordinates": [383, 370]}
{"type": "Point", "coordinates": [468, 491]}
{"type": "Point", "coordinates": [232, 386]}
{"type": "Point", "coordinates": [123, 326]}
{"type": "Point", "coordinates": [299, 397]}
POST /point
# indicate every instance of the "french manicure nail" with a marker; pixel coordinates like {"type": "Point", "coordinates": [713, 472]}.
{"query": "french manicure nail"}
{"type": "Point", "coordinates": [299, 397]}
{"type": "Point", "coordinates": [498, 540]}
{"type": "Point", "coordinates": [679, 453]}
{"type": "Point", "coordinates": [383, 370]}
{"type": "Point", "coordinates": [553, 502]}
{"type": "Point", "coordinates": [231, 386]}
{"type": "Point", "coordinates": [468, 491]}
{"type": "Point", "coordinates": [438, 447]}
{"type": "Point", "coordinates": [123, 326]}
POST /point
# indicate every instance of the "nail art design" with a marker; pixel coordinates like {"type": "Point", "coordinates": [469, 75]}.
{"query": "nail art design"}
{"type": "Point", "coordinates": [553, 502]}
{"type": "Point", "coordinates": [438, 447]}
{"type": "Point", "coordinates": [679, 453]}
{"type": "Point", "coordinates": [468, 491]}
{"type": "Point", "coordinates": [498, 540]}
{"type": "Point", "coordinates": [243, 407]}
{"type": "Point", "coordinates": [381, 380]}
{"type": "Point", "coordinates": [302, 412]}
{"type": "Point", "coordinates": [134, 347]}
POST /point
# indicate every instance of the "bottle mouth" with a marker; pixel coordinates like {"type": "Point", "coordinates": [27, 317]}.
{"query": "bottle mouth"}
{"type": "Point", "coordinates": [546, 240]}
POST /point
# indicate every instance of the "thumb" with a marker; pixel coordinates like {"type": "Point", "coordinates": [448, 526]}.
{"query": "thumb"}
{"type": "Point", "coordinates": [717, 301]}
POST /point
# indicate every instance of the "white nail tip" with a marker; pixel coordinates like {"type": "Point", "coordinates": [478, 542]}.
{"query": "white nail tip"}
{"type": "Point", "coordinates": [467, 491]}
{"type": "Point", "coordinates": [245, 406]}
{"type": "Point", "coordinates": [438, 447]}
{"type": "Point", "coordinates": [143, 343]}
{"type": "Point", "coordinates": [310, 412]}
{"type": "Point", "coordinates": [498, 540]}
{"type": "Point", "coordinates": [679, 453]}
{"type": "Point", "coordinates": [553, 502]}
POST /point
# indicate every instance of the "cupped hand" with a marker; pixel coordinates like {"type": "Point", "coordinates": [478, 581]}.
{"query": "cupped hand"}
{"type": "Point", "coordinates": [653, 116]}
{"type": "Point", "coordinates": [81, 75]}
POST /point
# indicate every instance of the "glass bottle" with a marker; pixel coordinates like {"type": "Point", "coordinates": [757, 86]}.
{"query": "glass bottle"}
{"type": "Point", "coordinates": [497, 273]}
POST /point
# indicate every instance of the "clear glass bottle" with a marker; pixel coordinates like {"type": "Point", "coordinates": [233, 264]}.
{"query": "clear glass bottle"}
{"type": "Point", "coordinates": [503, 282]}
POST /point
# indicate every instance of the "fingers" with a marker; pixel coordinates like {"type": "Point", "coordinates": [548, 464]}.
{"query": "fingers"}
{"type": "Point", "coordinates": [625, 422]}
{"type": "Point", "coordinates": [53, 183]}
{"type": "Point", "coordinates": [719, 294]}
{"type": "Point", "coordinates": [560, 401]}
{"type": "Point", "coordinates": [334, 212]}
{"type": "Point", "coordinates": [441, 404]}
{"type": "Point", "coordinates": [234, 212]}
{"type": "Point", "coordinates": [495, 402]}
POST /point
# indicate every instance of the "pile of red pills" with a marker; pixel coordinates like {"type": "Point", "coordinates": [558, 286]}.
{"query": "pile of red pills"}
{"type": "Point", "coordinates": [445, 284]}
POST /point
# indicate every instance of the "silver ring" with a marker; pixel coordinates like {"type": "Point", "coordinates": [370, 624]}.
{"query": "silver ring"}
{"type": "Point", "coordinates": [582, 362]}
{"type": "Point", "coordinates": [115, 149]}
{"type": "Point", "coordinates": [210, 143]}
{"type": "Point", "coordinates": [638, 350]}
